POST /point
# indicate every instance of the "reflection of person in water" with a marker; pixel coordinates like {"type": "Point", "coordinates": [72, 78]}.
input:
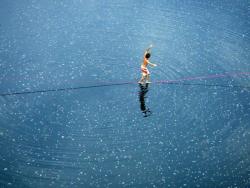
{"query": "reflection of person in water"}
{"type": "Point", "coordinates": [142, 93]}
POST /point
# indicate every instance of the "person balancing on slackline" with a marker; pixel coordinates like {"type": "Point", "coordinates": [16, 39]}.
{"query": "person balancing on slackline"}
{"type": "Point", "coordinates": [145, 72]}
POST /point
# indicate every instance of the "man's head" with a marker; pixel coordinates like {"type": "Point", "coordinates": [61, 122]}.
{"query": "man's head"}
{"type": "Point", "coordinates": [147, 56]}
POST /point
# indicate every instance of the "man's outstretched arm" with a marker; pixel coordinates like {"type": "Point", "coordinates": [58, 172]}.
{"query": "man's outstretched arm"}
{"type": "Point", "coordinates": [152, 64]}
{"type": "Point", "coordinates": [148, 49]}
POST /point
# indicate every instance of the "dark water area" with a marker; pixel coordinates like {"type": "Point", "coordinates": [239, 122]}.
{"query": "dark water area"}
{"type": "Point", "coordinates": [189, 128]}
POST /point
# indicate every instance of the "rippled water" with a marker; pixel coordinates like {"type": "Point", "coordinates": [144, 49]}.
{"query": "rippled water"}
{"type": "Point", "coordinates": [197, 132]}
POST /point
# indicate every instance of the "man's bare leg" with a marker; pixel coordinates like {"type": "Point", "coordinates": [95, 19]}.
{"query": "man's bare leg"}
{"type": "Point", "coordinates": [142, 79]}
{"type": "Point", "coordinates": [148, 79]}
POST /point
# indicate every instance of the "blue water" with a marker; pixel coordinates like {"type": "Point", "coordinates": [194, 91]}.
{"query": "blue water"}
{"type": "Point", "coordinates": [197, 132]}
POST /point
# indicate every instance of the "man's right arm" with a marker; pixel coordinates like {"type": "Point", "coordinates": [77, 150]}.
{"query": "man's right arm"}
{"type": "Point", "coordinates": [148, 49]}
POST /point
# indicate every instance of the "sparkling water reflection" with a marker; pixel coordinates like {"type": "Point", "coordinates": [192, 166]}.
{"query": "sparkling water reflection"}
{"type": "Point", "coordinates": [198, 134]}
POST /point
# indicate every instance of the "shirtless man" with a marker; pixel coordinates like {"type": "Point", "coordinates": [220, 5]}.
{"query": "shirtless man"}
{"type": "Point", "coordinates": [144, 69]}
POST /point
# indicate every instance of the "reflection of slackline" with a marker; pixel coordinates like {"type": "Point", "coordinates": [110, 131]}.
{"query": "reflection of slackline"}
{"type": "Point", "coordinates": [182, 81]}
